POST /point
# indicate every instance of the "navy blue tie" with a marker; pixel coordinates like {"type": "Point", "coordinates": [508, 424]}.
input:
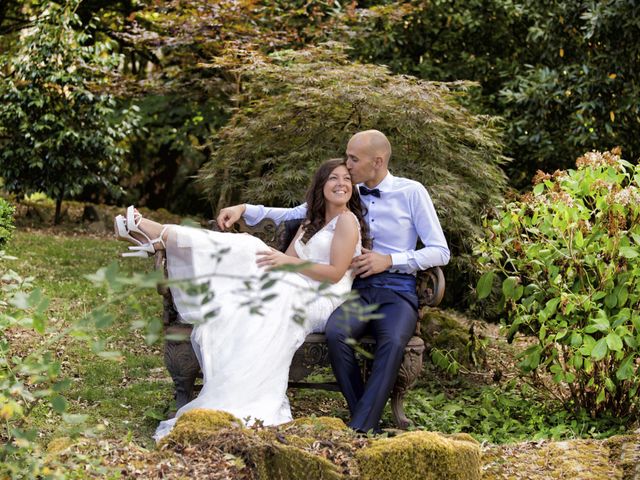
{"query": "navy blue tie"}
{"type": "Point", "coordinates": [366, 191]}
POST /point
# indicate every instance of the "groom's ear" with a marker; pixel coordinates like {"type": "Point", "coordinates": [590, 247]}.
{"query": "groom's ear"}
{"type": "Point", "coordinates": [378, 162]}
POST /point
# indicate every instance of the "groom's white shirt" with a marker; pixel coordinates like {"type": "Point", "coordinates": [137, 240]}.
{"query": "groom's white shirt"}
{"type": "Point", "coordinates": [403, 213]}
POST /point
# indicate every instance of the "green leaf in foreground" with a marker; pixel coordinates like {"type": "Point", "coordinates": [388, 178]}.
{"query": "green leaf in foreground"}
{"type": "Point", "coordinates": [485, 285]}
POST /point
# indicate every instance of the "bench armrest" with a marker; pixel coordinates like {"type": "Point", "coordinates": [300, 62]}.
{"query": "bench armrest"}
{"type": "Point", "coordinates": [431, 285]}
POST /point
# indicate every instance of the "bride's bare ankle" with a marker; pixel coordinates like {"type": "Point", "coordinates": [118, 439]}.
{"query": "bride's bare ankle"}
{"type": "Point", "coordinates": [138, 237]}
{"type": "Point", "coordinates": [164, 235]}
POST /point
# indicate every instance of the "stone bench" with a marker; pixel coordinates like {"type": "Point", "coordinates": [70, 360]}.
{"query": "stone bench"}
{"type": "Point", "coordinates": [182, 364]}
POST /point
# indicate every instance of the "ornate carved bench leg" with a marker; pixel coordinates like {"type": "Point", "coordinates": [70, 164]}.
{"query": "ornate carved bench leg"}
{"type": "Point", "coordinates": [407, 376]}
{"type": "Point", "coordinates": [182, 363]}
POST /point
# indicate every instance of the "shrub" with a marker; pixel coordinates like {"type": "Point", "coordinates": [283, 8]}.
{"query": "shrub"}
{"type": "Point", "coordinates": [302, 107]}
{"type": "Point", "coordinates": [568, 255]}
{"type": "Point", "coordinates": [6, 221]}
{"type": "Point", "coordinates": [58, 132]}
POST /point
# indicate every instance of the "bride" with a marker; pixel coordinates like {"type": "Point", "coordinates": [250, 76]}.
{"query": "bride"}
{"type": "Point", "coordinates": [245, 352]}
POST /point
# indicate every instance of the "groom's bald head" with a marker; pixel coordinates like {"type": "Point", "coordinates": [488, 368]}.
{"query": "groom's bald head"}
{"type": "Point", "coordinates": [375, 142]}
{"type": "Point", "coordinates": [368, 154]}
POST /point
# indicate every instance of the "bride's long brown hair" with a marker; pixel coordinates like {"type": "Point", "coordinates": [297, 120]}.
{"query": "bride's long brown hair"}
{"type": "Point", "coordinates": [316, 203]}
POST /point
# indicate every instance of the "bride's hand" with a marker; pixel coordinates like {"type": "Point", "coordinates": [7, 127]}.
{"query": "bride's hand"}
{"type": "Point", "coordinates": [273, 258]}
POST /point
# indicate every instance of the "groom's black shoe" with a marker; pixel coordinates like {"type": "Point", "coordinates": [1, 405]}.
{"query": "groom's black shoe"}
{"type": "Point", "coordinates": [362, 433]}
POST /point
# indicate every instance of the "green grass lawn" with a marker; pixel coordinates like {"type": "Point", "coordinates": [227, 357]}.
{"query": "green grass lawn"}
{"type": "Point", "coordinates": [122, 396]}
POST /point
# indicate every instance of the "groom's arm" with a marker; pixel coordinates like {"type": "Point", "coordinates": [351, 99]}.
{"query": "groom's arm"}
{"type": "Point", "coordinates": [253, 214]}
{"type": "Point", "coordinates": [425, 219]}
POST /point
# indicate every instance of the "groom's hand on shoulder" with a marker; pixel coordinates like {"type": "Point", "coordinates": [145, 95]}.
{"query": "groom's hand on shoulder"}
{"type": "Point", "coordinates": [370, 263]}
{"type": "Point", "coordinates": [230, 215]}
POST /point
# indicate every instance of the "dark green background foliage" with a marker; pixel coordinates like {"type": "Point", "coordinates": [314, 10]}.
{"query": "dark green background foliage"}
{"type": "Point", "coordinates": [563, 74]}
{"type": "Point", "coordinates": [301, 109]}
{"type": "Point", "coordinates": [6, 221]}
{"type": "Point", "coordinates": [172, 144]}
{"type": "Point", "coordinates": [57, 134]}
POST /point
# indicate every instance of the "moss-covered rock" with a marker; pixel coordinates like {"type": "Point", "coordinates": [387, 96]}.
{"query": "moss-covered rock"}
{"type": "Point", "coordinates": [284, 462]}
{"type": "Point", "coordinates": [272, 455]}
{"type": "Point", "coordinates": [584, 459]}
{"type": "Point", "coordinates": [450, 332]}
{"type": "Point", "coordinates": [197, 425]}
{"type": "Point", "coordinates": [310, 447]}
{"type": "Point", "coordinates": [624, 451]}
{"type": "Point", "coordinates": [424, 455]}
{"type": "Point", "coordinates": [617, 458]}
{"type": "Point", "coordinates": [317, 424]}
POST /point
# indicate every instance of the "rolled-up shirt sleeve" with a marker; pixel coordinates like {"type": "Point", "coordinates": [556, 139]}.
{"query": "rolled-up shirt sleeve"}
{"type": "Point", "coordinates": [254, 214]}
{"type": "Point", "coordinates": [435, 251]}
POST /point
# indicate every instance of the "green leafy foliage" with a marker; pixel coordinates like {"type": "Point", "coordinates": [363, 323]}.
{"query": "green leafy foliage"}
{"type": "Point", "coordinates": [442, 39]}
{"type": "Point", "coordinates": [34, 382]}
{"type": "Point", "coordinates": [579, 89]}
{"type": "Point", "coordinates": [58, 132]}
{"type": "Point", "coordinates": [171, 146]}
{"type": "Point", "coordinates": [501, 414]}
{"type": "Point", "coordinates": [6, 221]}
{"type": "Point", "coordinates": [234, 27]}
{"type": "Point", "coordinates": [25, 381]}
{"type": "Point", "coordinates": [300, 108]}
{"type": "Point", "coordinates": [563, 74]}
{"type": "Point", "coordinates": [567, 255]}
{"type": "Point", "coordinates": [301, 22]}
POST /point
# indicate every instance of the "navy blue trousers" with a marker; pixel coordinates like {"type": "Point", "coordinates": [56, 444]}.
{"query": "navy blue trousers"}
{"type": "Point", "coordinates": [398, 313]}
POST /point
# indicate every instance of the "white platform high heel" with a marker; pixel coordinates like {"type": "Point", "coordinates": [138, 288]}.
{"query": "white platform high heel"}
{"type": "Point", "coordinates": [142, 248]}
{"type": "Point", "coordinates": [120, 227]}
{"type": "Point", "coordinates": [123, 229]}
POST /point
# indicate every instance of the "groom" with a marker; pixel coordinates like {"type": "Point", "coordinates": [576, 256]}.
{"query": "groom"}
{"type": "Point", "coordinates": [399, 211]}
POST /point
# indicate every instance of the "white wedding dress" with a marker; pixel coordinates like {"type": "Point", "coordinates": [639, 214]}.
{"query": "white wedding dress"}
{"type": "Point", "coordinates": [245, 356]}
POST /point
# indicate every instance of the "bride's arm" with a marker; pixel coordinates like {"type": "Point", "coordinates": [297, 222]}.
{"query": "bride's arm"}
{"type": "Point", "coordinates": [343, 246]}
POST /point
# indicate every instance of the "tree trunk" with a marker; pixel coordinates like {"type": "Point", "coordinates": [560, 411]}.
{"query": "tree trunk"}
{"type": "Point", "coordinates": [3, 10]}
{"type": "Point", "coordinates": [56, 218]}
